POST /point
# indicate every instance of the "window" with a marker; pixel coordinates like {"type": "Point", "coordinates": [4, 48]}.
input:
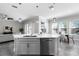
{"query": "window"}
{"type": "Point", "coordinates": [54, 27]}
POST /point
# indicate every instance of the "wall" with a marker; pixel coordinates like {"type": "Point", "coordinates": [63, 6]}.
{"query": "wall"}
{"type": "Point", "coordinates": [32, 22]}
{"type": "Point", "coordinates": [45, 21]}
{"type": "Point", "coordinates": [16, 25]}
{"type": "Point", "coordinates": [35, 22]}
{"type": "Point", "coordinates": [50, 27]}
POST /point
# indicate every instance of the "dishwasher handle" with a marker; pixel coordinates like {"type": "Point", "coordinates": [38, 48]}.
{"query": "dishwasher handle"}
{"type": "Point", "coordinates": [49, 40]}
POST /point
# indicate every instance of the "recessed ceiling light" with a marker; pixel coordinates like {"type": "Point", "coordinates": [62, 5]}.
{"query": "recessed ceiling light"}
{"type": "Point", "coordinates": [37, 6]}
{"type": "Point", "coordinates": [19, 19]}
{"type": "Point", "coordinates": [20, 3]}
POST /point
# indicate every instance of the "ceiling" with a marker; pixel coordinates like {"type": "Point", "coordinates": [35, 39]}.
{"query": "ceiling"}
{"type": "Point", "coordinates": [26, 10]}
{"type": "Point", "coordinates": [66, 9]}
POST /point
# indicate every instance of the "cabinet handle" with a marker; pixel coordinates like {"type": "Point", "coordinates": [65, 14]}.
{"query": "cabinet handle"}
{"type": "Point", "coordinates": [48, 40]}
{"type": "Point", "coordinates": [27, 45]}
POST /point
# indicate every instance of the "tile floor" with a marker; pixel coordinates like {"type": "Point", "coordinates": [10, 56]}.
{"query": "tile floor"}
{"type": "Point", "coordinates": [69, 49]}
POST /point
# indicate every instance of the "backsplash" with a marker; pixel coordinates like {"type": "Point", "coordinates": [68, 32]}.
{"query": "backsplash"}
{"type": "Point", "coordinates": [11, 23]}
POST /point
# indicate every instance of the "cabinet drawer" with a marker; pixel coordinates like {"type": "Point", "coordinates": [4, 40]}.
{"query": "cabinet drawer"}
{"type": "Point", "coordinates": [29, 48]}
{"type": "Point", "coordinates": [34, 48]}
{"type": "Point", "coordinates": [28, 40]}
{"type": "Point", "coordinates": [20, 48]}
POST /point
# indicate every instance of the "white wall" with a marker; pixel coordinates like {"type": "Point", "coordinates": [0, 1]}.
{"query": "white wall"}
{"type": "Point", "coordinates": [32, 22]}
{"type": "Point", "coordinates": [35, 23]}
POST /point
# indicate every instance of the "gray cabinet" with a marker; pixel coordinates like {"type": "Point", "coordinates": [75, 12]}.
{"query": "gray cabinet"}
{"type": "Point", "coordinates": [36, 46]}
{"type": "Point", "coordinates": [34, 49]}
{"type": "Point", "coordinates": [52, 46]}
{"type": "Point", "coordinates": [21, 48]}
{"type": "Point", "coordinates": [7, 37]}
{"type": "Point", "coordinates": [27, 46]}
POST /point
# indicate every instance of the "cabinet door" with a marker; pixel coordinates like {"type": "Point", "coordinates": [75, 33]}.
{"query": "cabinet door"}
{"type": "Point", "coordinates": [52, 46]}
{"type": "Point", "coordinates": [21, 48]}
{"type": "Point", "coordinates": [27, 47]}
{"type": "Point", "coordinates": [34, 49]}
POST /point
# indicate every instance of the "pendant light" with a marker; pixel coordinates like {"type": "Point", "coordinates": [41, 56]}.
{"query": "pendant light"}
{"type": "Point", "coordinates": [52, 6]}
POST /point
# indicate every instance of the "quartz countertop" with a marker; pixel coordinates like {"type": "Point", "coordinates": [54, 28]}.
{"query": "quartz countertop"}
{"type": "Point", "coordinates": [37, 36]}
{"type": "Point", "coordinates": [5, 35]}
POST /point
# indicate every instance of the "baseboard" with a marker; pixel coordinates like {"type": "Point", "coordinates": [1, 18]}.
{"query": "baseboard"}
{"type": "Point", "coordinates": [32, 55]}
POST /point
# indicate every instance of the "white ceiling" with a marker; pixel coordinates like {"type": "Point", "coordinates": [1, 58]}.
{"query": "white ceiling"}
{"type": "Point", "coordinates": [29, 9]}
{"type": "Point", "coordinates": [66, 9]}
{"type": "Point", "coordinates": [26, 9]}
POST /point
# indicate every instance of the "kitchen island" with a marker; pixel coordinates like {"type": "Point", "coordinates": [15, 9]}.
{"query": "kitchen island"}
{"type": "Point", "coordinates": [40, 46]}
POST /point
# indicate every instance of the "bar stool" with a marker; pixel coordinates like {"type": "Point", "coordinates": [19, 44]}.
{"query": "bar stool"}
{"type": "Point", "coordinates": [68, 39]}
